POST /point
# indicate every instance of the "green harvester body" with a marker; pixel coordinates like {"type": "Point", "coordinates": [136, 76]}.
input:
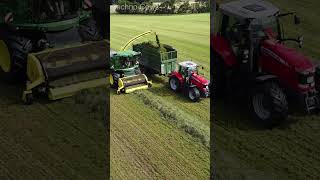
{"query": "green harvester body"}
{"type": "Point", "coordinates": [26, 14]}
{"type": "Point", "coordinates": [60, 48]}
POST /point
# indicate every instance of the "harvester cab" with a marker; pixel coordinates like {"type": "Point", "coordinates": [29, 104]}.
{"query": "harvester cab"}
{"type": "Point", "coordinates": [126, 76]}
{"type": "Point", "coordinates": [54, 45]}
{"type": "Point", "coordinates": [251, 58]}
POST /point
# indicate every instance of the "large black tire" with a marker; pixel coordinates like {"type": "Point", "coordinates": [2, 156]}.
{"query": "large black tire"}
{"type": "Point", "coordinates": [89, 31]}
{"type": "Point", "coordinates": [19, 48]}
{"type": "Point", "coordinates": [269, 105]}
{"type": "Point", "coordinates": [218, 77]}
{"type": "Point", "coordinates": [194, 94]}
{"type": "Point", "coordinates": [174, 83]}
{"type": "Point", "coordinates": [115, 77]}
{"type": "Point", "coordinates": [29, 99]}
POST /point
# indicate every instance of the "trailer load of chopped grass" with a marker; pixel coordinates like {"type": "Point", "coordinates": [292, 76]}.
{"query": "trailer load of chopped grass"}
{"type": "Point", "coordinates": [154, 53]}
{"type": "Point", "coordinates": [154, 46]}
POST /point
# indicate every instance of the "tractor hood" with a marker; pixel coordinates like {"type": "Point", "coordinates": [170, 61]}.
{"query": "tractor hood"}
{"type": "Point", "coordinates": [200, 79]}
{"type": "Point", "coordinates": [287, 56]}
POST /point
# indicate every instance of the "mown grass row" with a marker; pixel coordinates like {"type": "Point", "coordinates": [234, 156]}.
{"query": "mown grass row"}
{"type": "Point", "coordinates": [176, 116]}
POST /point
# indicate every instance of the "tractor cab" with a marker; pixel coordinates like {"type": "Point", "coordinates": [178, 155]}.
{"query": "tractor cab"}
{"type": "Point", "coordinates": [186, 68]}
{"type": "Point", "coordinates": [246, 23]}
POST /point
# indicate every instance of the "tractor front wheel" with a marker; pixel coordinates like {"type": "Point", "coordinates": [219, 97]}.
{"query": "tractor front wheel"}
{"type": "Point", "coordinates": [194, 94]}
{"type": "Point", "coordinates": [269, 104]}
{"type": "Point", "coordinates": [174, 83]}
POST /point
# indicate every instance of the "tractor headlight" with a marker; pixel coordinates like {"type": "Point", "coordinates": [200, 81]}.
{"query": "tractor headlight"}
{"type": "Point", "coordinates": [245, 56]}
{"type": "Point", "coordinates": [306, 79]}
{"type": "Point", "coordinates": [87, 4]}
{"type": "Point", "coordinates": [8, 17]}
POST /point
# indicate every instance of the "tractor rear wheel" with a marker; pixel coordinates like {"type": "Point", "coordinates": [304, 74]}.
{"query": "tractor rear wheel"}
{"type": "Point", "coordinates": [89, 31]}
{"type": "Point", "coordinates": [194, 94]}
{"type": "Point", "coordinates": [18, 47]}
{"type": "Point", "coordinates": [174, 83]}
{"type": "Point", "coordinates": [269, 105]}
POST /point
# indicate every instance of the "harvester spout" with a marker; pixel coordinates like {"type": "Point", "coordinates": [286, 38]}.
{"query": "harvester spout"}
{"type": "Point", "coordinates": [139, 36]}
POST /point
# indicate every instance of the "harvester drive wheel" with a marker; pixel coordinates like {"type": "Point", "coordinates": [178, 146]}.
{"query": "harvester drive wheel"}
{"type": "Point", "coordinates": [269, 105]}
{"type": "Point", "coordinates": [28, 99]}
{"type": "Point", "coordinates": [89, 31]}
{"type": "Point", "coordinates": [174, 83]}
{"type": "Point", "coordinates": [19, 48]}
{"type": "Point", "coordinates": [115, 77]}
{"type": "Point", "coordinates": [194, 94]}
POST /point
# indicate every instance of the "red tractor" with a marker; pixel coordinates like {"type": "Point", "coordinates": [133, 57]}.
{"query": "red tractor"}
{"type": "Point", "coordinates": [250, 59]}
{"type": "Point", "coordinates": [189, 81]}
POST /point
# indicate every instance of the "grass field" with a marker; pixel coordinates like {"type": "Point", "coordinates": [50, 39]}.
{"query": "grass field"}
{"type": "Point", "coordinates": [157, 133]}
{"type": "Point", "coordinates": [63, 139]}
{"type": "Point", "coordinates": [290, 151]}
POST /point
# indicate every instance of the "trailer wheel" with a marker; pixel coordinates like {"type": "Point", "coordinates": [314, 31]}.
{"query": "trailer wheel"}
{"type": "Point", "coordinates": [89, 31]}
{"type": "Point", "coordinates": [174, 83]}
{"type": "Point", "coordinates": [269, 104]}
{"type": "Point", "coordinates": [194, 94]}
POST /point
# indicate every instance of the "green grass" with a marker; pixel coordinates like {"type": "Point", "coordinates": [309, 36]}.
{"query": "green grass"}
{"type": "Point", "coordinates": [157, 133]}
{"type": "Point", "coordinates": [62, 139]}
{"type": "Point", "coordinates": [290, 151]}
{"type": "Point", "coordinates": [188, 33]}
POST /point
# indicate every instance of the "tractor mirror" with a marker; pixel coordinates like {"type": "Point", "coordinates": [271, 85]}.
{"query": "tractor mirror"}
{"type": "Point", "coordinates": [300, 39]}
{"type": "Point", "coordinates": [296, 20]}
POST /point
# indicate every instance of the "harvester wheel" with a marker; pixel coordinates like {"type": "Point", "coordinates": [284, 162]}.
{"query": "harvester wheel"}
{"type": "Point", "coordinates": [174, 83]}
{"type": "Point", "coordinates": [89, 31]}
{"type": "Point", "coordinates": [194, 94]}
{"type": "Point", "coordinates": [115, 78]}
{"type": "Point", "coordinates": [19, 48]}
{"type": "Point", "coordinates": [269, 104]}
{"type": "Point", "coordinates": [28, 99]}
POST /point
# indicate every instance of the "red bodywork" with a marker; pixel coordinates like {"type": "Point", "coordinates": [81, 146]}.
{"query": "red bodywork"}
{"type": "Point", "coordinates": [276, 59]}
{"type": "Point", "coordinates": [223, 48]}
{"type": "Point", "coordinates": [286, 63]}
{"type": "Point", "coordinates": [199, 81]}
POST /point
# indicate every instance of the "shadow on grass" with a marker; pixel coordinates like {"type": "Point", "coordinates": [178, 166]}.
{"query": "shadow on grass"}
{"type": "Point", "coordinates": [12, 92]}
{"type": "Point", "coordinates": [236, 114]}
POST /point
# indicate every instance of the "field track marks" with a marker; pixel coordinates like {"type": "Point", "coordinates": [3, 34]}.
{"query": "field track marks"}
{"type": "Point", "coordinates": [151, 140]}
